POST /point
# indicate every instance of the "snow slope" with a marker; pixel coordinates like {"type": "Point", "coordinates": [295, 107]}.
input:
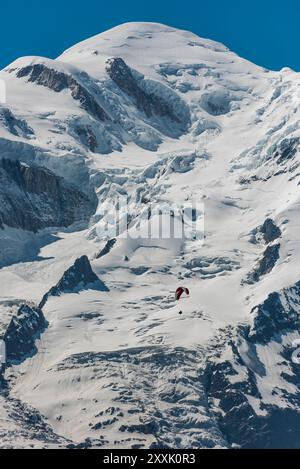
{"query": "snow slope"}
{"type": "Point", "coordinates": [163, 117]}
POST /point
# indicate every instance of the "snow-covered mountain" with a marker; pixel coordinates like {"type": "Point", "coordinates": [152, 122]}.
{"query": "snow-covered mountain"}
{"type": "Point", "coordinates": [98, 355]}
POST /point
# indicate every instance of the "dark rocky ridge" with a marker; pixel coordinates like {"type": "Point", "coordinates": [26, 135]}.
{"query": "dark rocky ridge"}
{"type": "Point", "coordinates": [285, 150]}
{"type": "Point", "coordinates": [14, 125]}
{"type": "Point", "coordinates": [239, 423]}
{"type": "Point", "coordinates": [148, 102]}
{"type": "Point", "coordinates": [156, 108]}
{"type": "Point", "coordinates": [267, 232]}
{"type": "Point", "coordinates": [270, 231]}
{"type": "Point", "coordinates": [231, 382]}
{"type": "Point", "coordinates": [107, 248]}
{"type": "Point", "coordinates": [59, 81]}
{"type": "Point", "coordinates": [78, 277]}
{"type": "Point", "coordinates": [22, 332]}
{"type": "Point", "coordinates": [265, 265]}
{"type": "Point", "coordinates": [33, 198]}
{"type": "Point", "coordinates": [236, 418]}
{"type": "Point", "coordinates": [279, 312]}
{"type": "Point", "coordinates": [87, 137]}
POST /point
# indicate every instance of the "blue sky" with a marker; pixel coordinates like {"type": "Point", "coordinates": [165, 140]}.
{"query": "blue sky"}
{"type": "Point", "coordinates": [264, 31]}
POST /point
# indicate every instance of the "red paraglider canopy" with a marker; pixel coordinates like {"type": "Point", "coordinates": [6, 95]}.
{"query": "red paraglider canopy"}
{"type": "Point", "coordinates": [180, 291]}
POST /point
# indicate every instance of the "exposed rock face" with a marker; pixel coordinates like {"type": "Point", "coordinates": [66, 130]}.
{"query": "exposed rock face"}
{"type": "Point", "coordinates": [87, 137]}
{"type": "Point", "coordinates": [58, 81]}
{"type": "Point", "coordinates": [273, 428]}
{"type": "Point", "coordinates": [78, 277]}
{"type": "Point", "coordinates": [252, 411]}
{"type": "Point", "coordinates": [267, 232]}
{"type": "Point", "coordinates": [235, 415]}
{"type": "Point", "coordinates": [150, 101]}
{"type": "Point", "coordinates": [14, 125]}
{"type": "Point", "coordinates": [33, 198]}
{"type": "Point", "coordinates": [121, 74]}
{"type": "Point", "coordinates": [280, 311]}
{"type": "Point", "coordinates": [285, 150]}
{"type": "Point", "coordinates": [22, 331]}
{"type": "Point", "coordinates": [107, 248]}
{"type": "Point", "coordinates": [265, 264]}
{"type": "Point", "coordinates": [123, 107]}
{"type": "Point", "coordinates": [270, 231]}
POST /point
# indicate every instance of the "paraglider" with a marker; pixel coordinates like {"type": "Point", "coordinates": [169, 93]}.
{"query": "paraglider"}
{"type": "Point", "coordinates": [180, 293]}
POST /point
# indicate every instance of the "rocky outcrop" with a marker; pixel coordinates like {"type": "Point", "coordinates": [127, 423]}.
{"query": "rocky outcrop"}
{"type": "Point", "coordinates": [33, 198]}
{"type": "Point", "coordinates": [279, 312]}
{"type": "Point", "coordinates": [86, 136]}
{"type": "Point", "coordinates": [126, 107]}
{"type": "Point", "coordinates": [270, 231]}
{"type": "Point", "coordinates": [237, 419]}
{"type": "Point", "coordinates": [285, 150]}
{"type": "Point", "coordinates": [17, 127]}
{"type": "Point", "coordinates": [107, 248]}
{"type": "Point", "coordinates": [265, 264]}
{"type": "Point", "coordinates": [230, 398]}
{"type": "Point", "coordinates": [22, 332]}
{"type": "Point", "coordinates": [59, 81]}
{"type": "Point", "coordinates": [78, 277]}
{"type": "Point", "coordinates": [122, 75]}
{"type": "Point", "coordinates": [267, 232]}
{"type": "Point", "coordinates": [149, 97]}
{"type": "Point", "coordinates": [257, 401]}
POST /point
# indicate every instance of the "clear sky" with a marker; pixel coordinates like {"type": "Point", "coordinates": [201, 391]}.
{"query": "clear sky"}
{"type": "Point", "coordinates": [264, 31]}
